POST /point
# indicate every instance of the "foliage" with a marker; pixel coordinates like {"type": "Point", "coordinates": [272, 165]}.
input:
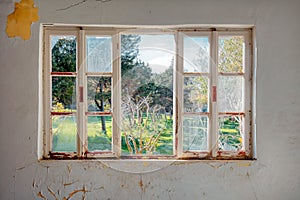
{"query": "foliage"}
{"type": "Point", "coordinates": [229, 133]}
{"type": "Point", "coordinates": [231, 54]}
{"type": "Point", "coordinates": [144, 101]}
{"type": "Point", "coordinates": [64, 60]}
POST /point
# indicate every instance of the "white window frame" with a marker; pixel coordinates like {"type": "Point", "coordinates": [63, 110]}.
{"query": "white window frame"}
{"type": "Point", "coordinates": [114, 32]}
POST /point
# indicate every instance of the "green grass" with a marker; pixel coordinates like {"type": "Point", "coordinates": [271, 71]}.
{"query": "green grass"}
{"type": "Point", "coordinates": [65, 135]}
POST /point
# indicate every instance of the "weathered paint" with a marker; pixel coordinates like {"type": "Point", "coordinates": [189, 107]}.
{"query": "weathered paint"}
{"type": "Point", "coordinates": [19, 22]}
{"type": "Point", "coordinates": [274, 175]}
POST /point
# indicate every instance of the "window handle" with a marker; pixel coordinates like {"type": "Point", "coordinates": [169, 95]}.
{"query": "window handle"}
{"type": "Point", "coordinates": [81, 94]}
{"type": "Point", "coordinates": [214, 93]}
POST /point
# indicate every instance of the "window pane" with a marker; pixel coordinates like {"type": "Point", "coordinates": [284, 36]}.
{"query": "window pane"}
{"type": "Point", "coordinates": [147, 93]}
{"type": "Point", "coordinates": [195, 131]}
{"type": "Point", "coordinates": [63, 94]}
{"type": "Point", "coordinates": [99, 130]}
{"type": "Point", "coordinates": [195, 94]}
{"type": "Point", "coordinates": [196, 54]}
{"type": "Point", "coordinates": [64, 133]}
{"type": "Point", "coordinates": [63, 53]}
{"type": "Point", "coordinates": [230, 133]}
{"type": "Point", "coordinates": [99, 94]}
{"type": "Point", "coordinates": [231, 54]}
{"type": "Point", "coordinates": [230, 93]}
{"type": "Point", "coordinates": [99, 54]}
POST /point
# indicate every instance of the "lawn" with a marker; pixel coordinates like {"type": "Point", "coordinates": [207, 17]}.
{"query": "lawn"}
{"type": "Point", "coordinates": [64, 135]}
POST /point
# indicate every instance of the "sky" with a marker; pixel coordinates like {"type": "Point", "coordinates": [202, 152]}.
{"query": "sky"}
{"type": "Point", "coordinates": [159, 50]}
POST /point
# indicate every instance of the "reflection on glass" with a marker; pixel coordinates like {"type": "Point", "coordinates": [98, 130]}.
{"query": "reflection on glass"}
{"type": "Point", "coordinates": [195, 131]}
{"type": "Point", "coordinates": [63, 94]}
{"type": "Point", "coordinates": [64, 133]}
{"type": "Point", "coordinates": [99, 54]}
{"type": "Point", "coordinates": [99, 94]}
{"type": "Point", "coordinates": [230, 93]}
{"type": "Point", "coordinates": [195, 94]}
{"type": "Point", "coordinates": [231, 54]}
{"type": "Point", "coordinates": [196, 54]}
{"type": "Point", "coordinates": [147, 94]}
{"type": "Point", "coordinates": [99, 131]}
{"type": "Point", "coordinates": [230, 133]}
{"type": "Point", "coordinates": [63, 50]}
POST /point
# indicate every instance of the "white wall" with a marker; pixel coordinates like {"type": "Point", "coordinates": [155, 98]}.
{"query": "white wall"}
{"type": "Point", "coordinates": [276, 173]}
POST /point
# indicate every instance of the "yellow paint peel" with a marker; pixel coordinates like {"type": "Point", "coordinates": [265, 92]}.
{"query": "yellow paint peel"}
{"type": "Point", "coordinates": [19, 22]}
{"type": "Point", "coordinates": [244, 164]}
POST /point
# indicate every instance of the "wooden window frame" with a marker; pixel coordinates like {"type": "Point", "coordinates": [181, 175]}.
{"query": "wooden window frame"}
{"type": "Point", "coordinates": [81, 93]}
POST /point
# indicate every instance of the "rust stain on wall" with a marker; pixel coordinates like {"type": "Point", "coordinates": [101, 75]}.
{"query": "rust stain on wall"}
{"type": "Point", "coordinates": [19, 22]}
{"type": "Point", "coordinates": [41, 195]}
{"type": "Point", "coordinates": [244, 164]}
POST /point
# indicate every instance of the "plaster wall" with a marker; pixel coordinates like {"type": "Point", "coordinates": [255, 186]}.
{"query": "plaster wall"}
{"type": "Point", "coordinates": [275, 174]}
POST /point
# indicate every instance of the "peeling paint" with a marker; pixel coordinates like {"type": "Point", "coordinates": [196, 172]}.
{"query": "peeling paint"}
{"type": "Point", "coordinates": [243, 164]}
{"type": "Point", "coordinates": [19, 22]}
{"type": "Point", "coordinates": [52, 192]}
{"type": "Point", "coordinates": [71, 183]}
{"type": "Point", "coordinates": [75, 192]}
{"type": "Point", "coordinates": [41, 195]}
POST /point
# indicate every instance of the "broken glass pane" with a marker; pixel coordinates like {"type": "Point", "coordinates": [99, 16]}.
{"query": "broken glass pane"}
{"type": "Point", "coordinates": [195, 131]}
{"type": "Point", "coordinates": [230, 133]}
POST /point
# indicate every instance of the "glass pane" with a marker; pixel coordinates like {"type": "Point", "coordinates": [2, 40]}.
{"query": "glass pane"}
{"type": "Point", "coordinates": [99, 54]}
{"type": "Point", "coordinates": [99, 131]}
{"type": "Point", "coordinates": [63, 50]}
{"type": "Point", "coordinates": [196, 54]}
{"type": "Point", "coordinates": [64, 133]}
{"type": "Point", "coordinates": [230, 133]}
{"type": "Point", "coordinates": [231, 94]}
{"type": "Point", "coordinates": [195, 95]}
{"type": "Point", "coordinates": [147, 94]}
{"type": "Point", "coordinates": [63, 94]}
{"type": "Point", "coordinates": [99, 94]}
{"type": "Point", "coordinates": [231, 54]}
{"type": "Point", "coordinates": [195, 131]}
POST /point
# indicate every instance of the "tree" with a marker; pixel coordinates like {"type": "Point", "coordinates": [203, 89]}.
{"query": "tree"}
{"type": "Point", "coordinates": [230, 92]}
{"type": "Point", "coordinates": [144, 100]}
{"type": "Point", "coordinates": [64, 60]}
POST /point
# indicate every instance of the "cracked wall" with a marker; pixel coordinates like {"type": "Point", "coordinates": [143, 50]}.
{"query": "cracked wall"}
{"type": "Point", "coordinates": [276, 173]}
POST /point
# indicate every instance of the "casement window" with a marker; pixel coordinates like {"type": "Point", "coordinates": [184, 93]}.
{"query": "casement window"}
{"type": "Point", "coordinates": [147, 93]}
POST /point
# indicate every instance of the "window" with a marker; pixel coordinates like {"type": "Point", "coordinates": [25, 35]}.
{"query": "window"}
{"type": "Point", "coordinates": [147, 93]}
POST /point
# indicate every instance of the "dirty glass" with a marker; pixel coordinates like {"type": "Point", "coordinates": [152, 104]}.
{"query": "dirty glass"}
{"type": "Point", "coordinates": [99, 132]}
{"type": "Point", "coordinates": [99, 53]}
{"type": "Point", "coordinates": [230, 94]}
{"type": "Point", "coordinates": [64, 133]}
{"type": "Point", "coordinates": [195, 131]}
{"type": "Point", "coordinates": [196, 54]}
